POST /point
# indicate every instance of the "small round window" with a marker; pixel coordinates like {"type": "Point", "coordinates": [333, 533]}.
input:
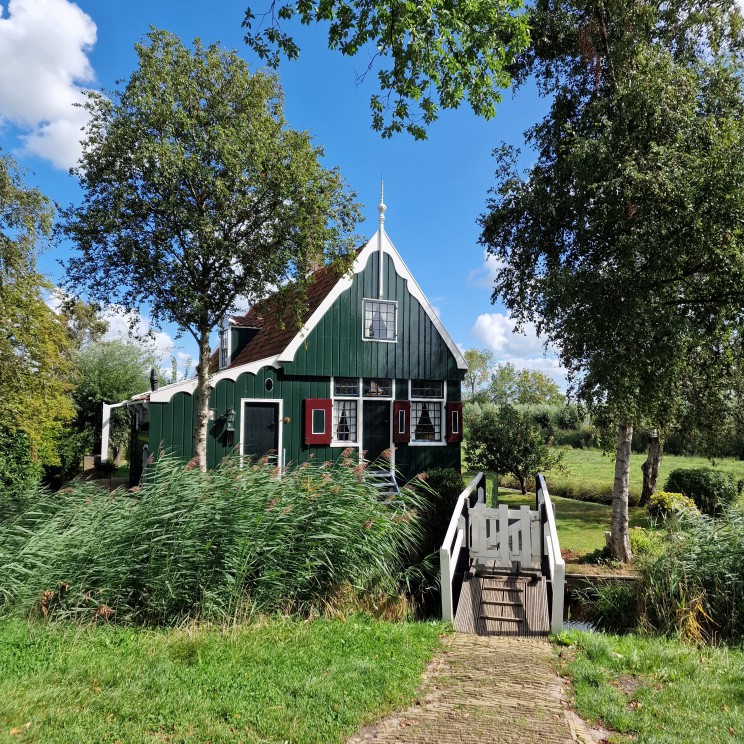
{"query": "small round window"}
{"type": "Point", "coordinates": [269, 385]}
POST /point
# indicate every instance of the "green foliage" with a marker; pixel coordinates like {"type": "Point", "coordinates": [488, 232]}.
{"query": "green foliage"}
{"type": "Point", "coordinates": [710, 489]}
{"type": "Point", "coordinates": [527, 387]}
{"type": "Point", "coordinates": [695, 588]}
{"type": "Point", "coordinates": [109, 372]}
{"type": "Point", "coordinates": [648, 689]}
{"type": "Point", "coordinates": [646, 544]}
{"type": "Point", "coordinates": [34, 360]}
{"type": "Point", "coordinates": [72, 446]}
{"type": "Point", "coordinates": [504, 440]}
{"type": "Point", "coordinates": [275, 680]}
{"type": "Point", "coordinates": [197, 197]}
{"type": "Point", "coordinates": [210, 545]}
{"type": "Point", "coordinates": [19, 473]}
{"type": "Point", "coordinates": [432, 55]}
{"type": "Point", "coordinates": [664, 504]}
{"type": "Point", "coordinates": [611, 605]}
{"type": "Point", "coordinates": [479, 362]}
{"type": "Point", "coordinates": [446, 485]}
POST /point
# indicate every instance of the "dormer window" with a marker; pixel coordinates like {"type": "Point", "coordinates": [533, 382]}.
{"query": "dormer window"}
{"type": "Point", "coordinates": [380, 321]}
{"type": "Point", "coordinates": [224, 349]}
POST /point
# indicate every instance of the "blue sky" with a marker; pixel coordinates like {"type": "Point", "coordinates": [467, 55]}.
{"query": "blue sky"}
{"type": "Point", "coordinates": [435, 189]}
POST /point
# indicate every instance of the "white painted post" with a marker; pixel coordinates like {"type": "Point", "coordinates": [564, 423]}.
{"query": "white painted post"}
{"type": "Point", "coordinates": [446, 582]}
{"type": "Point", "coordinates": [105, 426]}
{"type": "Point", "coordinates": [525, 527]}
{"type": "Point", "coordinates": [504, 559]}
{"type": "Point", "coordinates": [559, 580]}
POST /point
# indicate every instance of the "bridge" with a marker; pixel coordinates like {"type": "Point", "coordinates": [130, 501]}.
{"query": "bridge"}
{"type": "Point", "coordinates": [501, 569]}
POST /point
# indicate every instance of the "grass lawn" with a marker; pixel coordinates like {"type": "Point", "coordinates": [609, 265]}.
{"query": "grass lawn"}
{"type": "Point", "coordinates": [592, 471]}
{"type": "Point", "coordinates": [277, 681]}
{"type": "Point", "coordinates": [581, 525]}
{"type": "Point", "coordinates": [656, 690]}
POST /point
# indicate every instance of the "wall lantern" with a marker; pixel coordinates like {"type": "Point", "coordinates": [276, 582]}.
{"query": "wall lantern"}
{"type": "Point", "coordinates": [230, 419]}
{"type": "Point", "coordinates": [229, 426]}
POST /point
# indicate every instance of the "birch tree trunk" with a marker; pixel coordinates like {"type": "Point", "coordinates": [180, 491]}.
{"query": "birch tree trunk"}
{"type": "Point", "coordinates": [650, 467]}
{"type": "Point", "coordinates": [619, 539]}
{"type": "Point", "coordinates": [202, 402]}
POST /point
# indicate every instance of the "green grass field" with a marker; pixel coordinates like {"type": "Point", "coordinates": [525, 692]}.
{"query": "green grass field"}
{"type": "Point", "coordinates": [581, 525]}
{"type": "Point", "coordinates": [277, 681]}
{"type": "Point", "coordinates": [656, 690]}
{"type": "Point", "coordinates": [592, 471]}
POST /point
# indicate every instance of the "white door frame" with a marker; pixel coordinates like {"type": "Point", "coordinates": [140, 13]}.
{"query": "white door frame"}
{"type": "Point", "coordinates": [280, 454]}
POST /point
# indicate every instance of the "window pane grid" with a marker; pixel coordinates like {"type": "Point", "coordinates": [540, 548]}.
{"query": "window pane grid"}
{"type": "Point", "coordinates": [379, 320]}
{"type": "Point", "coordinates": [427, 389]}
{"type": "Point", "coordinates": [426, 421]}
{"type": "Point", "coordinates": [345, 420]}
{"type": "Point", "coordinates": [346, 386]}
{"type": "Point", "coordinates": [378, 388]}
{"type": "Point", "coordinates": [223, 348]}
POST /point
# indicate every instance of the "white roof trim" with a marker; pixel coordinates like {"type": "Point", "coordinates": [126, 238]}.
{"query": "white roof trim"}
{"type": "Point", "coordinates": [165, 393]}
{"type": "Point", "coordinates": [345, 282]}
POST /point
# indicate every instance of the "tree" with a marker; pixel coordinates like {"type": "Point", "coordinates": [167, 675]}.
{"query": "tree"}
{"type": "Point", "coordinates": [504, 440]}
{"type": "Point", "coordinates": [622, 242]}
{"type": "Point", "coordinates": [109, 372]}
{"type": "Point", "coordinates": [433, 55]}
{"type": "Point", "coordinates": [479, 363]}
{"type": "Point", "coordinates": [523, 387]}
{"type": "Point", "coordinates": [195, 193]}
{"type": "Point", "coordinates": [84, 325]}
{"type": "Point", "coordinates": [34, 359]}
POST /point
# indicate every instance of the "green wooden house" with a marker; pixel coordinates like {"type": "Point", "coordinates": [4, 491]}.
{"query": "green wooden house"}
{"type": "Point", "coordinates": [371, 368]}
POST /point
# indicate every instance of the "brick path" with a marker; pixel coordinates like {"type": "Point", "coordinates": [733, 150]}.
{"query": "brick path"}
{"type": "Point", "coordinates": [486, 689]}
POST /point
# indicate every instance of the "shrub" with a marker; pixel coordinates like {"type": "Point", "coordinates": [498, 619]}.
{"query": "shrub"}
{"type": "Point", "coordinates": [445, 485]}
{"type": "Point", "coordinates": [72, 447]}
{"type": "Point", "coordinates": [645, 543]}
{"type": "Point", "coordinates": [663, 504]}
{"type": "Point", "coordinates": [612, 605]}
{"type": "Point", "coordinates": [207, 545]}
{"type": "Point", "coordinates": [710, 489]}
{"type": "Point", "coordinates": [19, 473]}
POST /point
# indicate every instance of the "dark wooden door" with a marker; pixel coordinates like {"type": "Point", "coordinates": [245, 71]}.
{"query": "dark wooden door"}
{"type": "Point", "coordinates": [376, 437]}
{"type": "Point", "coordinates": [260, 429]}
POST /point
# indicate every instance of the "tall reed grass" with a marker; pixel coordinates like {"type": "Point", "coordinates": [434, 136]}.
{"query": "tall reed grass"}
{"type": "Point", "coordinates": [694, 589]}
{"type": "Point", "coordinates": [209, 545]}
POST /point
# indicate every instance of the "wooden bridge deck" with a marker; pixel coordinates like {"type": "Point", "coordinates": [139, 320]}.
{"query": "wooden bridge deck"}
{"type": "Point", "coordinates": [493, 603]}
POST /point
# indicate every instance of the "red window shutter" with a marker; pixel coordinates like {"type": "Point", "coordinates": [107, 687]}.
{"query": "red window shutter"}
{"type": "Point", "coordinates": [454, 423]}
{"type": "Point", "coordinates": [318, 414]}
{"type": "Point", "coordinates": [401, 421]}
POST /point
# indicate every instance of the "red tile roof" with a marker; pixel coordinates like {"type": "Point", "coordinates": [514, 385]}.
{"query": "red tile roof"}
{"type": "Point", "coordinates": [277, 331]}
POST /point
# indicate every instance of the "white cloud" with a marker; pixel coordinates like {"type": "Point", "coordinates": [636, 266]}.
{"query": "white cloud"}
{"type": "Point", "coordinates": [485, 274]}
{"type": "Point", "coordinates": [132, 326]}
{"type": "Point", "coordinates": [44, 46]}
{"type": "Point", "coordinates": [524, 350]}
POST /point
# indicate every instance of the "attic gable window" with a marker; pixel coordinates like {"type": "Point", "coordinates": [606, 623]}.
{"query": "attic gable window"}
{"type": "Point", "coordinates": [224, 351]}
{"type": "Point", "coordinates": [380, 321]}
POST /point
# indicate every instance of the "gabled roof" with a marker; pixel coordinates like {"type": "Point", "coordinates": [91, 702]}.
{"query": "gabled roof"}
{"type": "Point", "coordinates": [276, 343]}
{"type": "Point", "coordinates": [274, 335]}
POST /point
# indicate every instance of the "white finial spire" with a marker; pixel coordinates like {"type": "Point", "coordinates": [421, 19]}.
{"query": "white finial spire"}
{"type": "Point", "coordinates": [381, 207]}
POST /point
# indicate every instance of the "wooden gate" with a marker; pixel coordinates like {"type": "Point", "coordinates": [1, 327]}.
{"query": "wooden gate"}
{"type": "Point", "coordinates": [506, 537]}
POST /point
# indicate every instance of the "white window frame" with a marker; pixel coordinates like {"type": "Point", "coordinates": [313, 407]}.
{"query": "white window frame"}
{"type": "Point", "coordinates": [225, 344]}
{"type": "Point", "coordinates": [442, 442]}
{"type": "Point", "coordinates": [281, 453]}
{"type": "Point", "coordinates": [347, 443]}
{"type": "Point", "coordinates": [365, 300]}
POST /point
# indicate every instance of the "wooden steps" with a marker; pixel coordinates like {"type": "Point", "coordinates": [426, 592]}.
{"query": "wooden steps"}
{"type": "Point", "coordinates": [503, 604]}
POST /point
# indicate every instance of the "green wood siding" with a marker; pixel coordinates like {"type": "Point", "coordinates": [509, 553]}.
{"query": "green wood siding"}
{"type": "Point", "coordinates": [335, 346]}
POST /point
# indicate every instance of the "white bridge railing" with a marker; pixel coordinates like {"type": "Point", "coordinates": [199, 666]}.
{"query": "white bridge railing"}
{"type": "Point", "coordinates": [503, 538]}
{"type": "Point", "coordinates": [456, 536]}
{"type": "Point", "coordinates": [554, 559]}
